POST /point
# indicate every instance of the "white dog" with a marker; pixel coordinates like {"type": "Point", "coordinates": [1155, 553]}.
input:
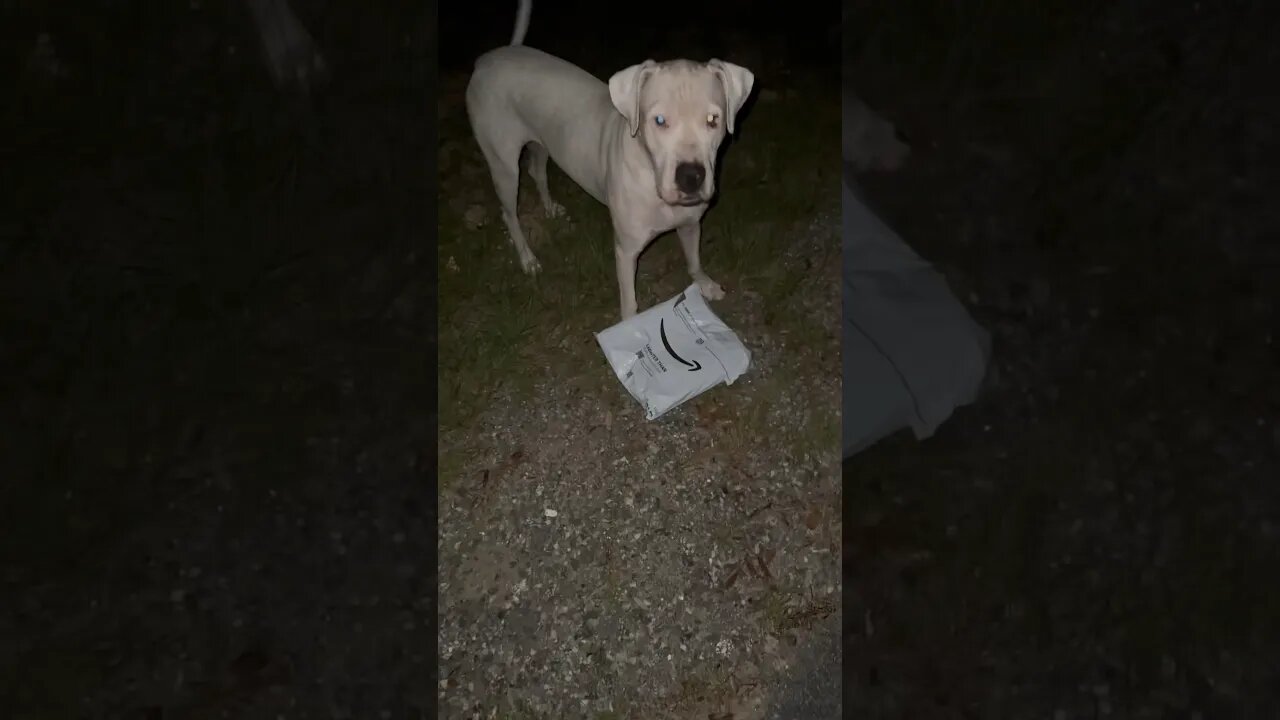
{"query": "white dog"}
{"type": "Point", "coordinates": [644, 145]}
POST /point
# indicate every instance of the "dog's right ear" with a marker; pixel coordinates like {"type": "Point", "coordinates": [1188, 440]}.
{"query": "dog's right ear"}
{"type": "Point", "coordinates": [737, 82]}
{"type": "Point", "coordinates": [624, 91]}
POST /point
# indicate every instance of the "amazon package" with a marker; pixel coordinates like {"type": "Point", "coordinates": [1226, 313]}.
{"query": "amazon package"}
{"type": "Point", "coordinates": [673, 351]}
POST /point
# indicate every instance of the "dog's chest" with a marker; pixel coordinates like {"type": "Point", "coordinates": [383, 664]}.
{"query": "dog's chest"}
{"type": "Point", "coordinates": [664, 217]}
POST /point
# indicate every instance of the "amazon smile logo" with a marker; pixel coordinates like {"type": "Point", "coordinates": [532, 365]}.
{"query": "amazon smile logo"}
{"type": "Point", "coordinates": [694, 366]}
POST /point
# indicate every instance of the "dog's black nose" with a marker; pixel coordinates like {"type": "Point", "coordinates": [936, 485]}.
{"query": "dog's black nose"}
{"type": "Point", "coordinates": [689, 177]}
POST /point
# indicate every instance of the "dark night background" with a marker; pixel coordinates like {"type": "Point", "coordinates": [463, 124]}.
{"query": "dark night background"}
{"type": "Point", "coordinates": [608, 33]}
{"type": "Point", "coordinates": [1096, 536]}
{"type": "Point", "coordinates": [216, 365]}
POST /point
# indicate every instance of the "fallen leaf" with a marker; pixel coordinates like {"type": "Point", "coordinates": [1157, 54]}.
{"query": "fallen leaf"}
{"type": "Point", "coordinates": [812, 520]}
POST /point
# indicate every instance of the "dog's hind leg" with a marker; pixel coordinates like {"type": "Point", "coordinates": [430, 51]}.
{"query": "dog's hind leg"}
{"type": "Point", "coordinates": [504, 166]}
{"type": "Point", "coordinates": [538, 171]}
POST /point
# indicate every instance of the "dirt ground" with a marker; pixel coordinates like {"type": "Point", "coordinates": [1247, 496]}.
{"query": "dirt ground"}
{"type": "Point", "coordinates": [216, 344]}
{"type": "Point", "coordinates": [1097, 536]}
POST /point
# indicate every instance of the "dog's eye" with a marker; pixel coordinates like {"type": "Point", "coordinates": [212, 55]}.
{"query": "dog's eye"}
{"type": "Point", "coordinates": [712, 120]}
{"type": "Point", "coordinates": [660, 121]}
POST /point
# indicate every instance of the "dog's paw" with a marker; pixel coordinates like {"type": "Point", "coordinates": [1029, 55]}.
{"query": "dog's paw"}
{"type": "Point", "coordinates": [711, 289]}
{"type": "Point", "coordinates": [530, 265]}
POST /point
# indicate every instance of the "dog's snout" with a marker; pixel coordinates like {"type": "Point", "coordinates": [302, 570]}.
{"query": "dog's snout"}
{"type": "Point", "coordinates": [689, 177]}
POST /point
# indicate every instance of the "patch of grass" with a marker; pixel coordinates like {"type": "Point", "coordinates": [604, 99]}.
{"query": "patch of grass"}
{"type": "Point", "coordinates": [502, 331]}
{"type": "Point", "coordinates": [820, 435]}
{"type": "Point", "coordinates": [453, 467]}
{"type": "Point", "coordinates": [808, 424]}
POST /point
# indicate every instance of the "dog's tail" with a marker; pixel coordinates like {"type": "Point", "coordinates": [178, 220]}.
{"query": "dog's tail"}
{"type": "Point", "coordinates": [522, 22]}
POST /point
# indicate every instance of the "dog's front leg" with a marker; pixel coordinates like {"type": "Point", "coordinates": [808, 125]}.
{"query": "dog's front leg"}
{"type": "Point", "coordinates": [626, 251]}
{"type": "Point", "coordinates": [690, 237]}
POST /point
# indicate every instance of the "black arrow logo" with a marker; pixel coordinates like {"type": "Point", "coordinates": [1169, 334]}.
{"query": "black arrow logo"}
{"type": "Point", "coordinates": [694, 366]}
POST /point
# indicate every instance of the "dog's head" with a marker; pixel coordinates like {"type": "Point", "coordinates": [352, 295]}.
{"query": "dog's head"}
{"type": "Point", "coordinates": [681, 111]}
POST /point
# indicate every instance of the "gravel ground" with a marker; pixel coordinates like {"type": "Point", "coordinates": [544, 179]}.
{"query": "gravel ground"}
{"type": "Point", "coordinates": [1096, 538]}
{"type": "Point", "coordinates": [594, 563]}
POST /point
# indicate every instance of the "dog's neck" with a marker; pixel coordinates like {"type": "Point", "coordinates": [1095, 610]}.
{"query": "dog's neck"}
{"type": "Point", "coordinates": [632, 153]}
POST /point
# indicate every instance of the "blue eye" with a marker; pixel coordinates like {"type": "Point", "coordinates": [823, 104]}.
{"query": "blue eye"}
{"type": "Point", "coordinates": [660, 120]}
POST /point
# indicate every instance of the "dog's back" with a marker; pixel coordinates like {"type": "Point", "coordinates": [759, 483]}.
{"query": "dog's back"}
{"type": "Point", "coordinates": [532, 88]}
{"type": "Point", "coordinates": [513, 68]}
{"type": "Point", "coordinates": [529, 93]}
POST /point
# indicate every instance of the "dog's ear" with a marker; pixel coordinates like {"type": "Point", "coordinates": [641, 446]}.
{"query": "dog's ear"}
{"type": "Point", "coordinates": [737, 82]}
{"type": "Point", "coordinates": [624, 91]}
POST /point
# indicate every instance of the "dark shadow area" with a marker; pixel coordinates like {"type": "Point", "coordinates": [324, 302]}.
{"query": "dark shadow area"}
{"type": "Point", "coordinates": [1096, 537]}
{"type": "Point", "coordinates": [603, 38]}
{"type": "Point", "coordinates": [216, 365]}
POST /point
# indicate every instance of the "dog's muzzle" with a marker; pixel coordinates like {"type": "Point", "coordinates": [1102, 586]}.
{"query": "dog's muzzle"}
{"type": "Point", "coordinates": [689, 179]}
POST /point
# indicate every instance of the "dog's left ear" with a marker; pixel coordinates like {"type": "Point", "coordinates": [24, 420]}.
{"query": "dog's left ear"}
{"type": "Point", "coordinates": [737, 82]}
{"type": "Point", "coordinates": [624, 91]}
